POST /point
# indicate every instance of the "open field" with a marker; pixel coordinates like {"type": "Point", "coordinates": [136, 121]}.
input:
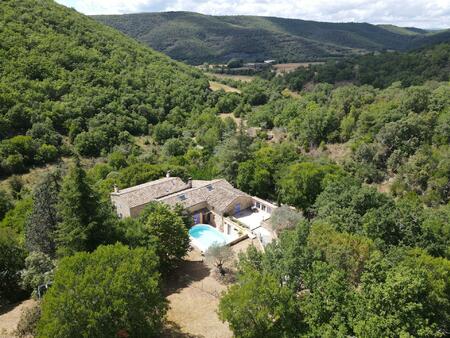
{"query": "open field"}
{"type": "Point", "coordinates": [215, 86]}
{"type": "Point", "coordinates": [193, 295]}
{"type": "Point", "coordinates": [238, 120]}
{"type": "Point", "coordinates": [282, 68]}
{"type": "Point", "coordinates": [244, 78]}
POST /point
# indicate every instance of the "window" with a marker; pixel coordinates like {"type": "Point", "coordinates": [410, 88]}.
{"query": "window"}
{"type": "Point", "coordinates": [209, 187]}
{"type": "Point", "coordinates": [263, 208]}
{"type": "Point", "coordinates": [182, 197]}
{"type": "Point", "coordinates": [258, 205]}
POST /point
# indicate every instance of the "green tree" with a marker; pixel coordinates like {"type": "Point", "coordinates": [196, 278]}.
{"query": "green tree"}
{"type": "Point", "coordinates": [231, 153]}
{"type": "Point", "coordinates": [117, 160]}
{"type": "Point", "coordinates": [302, 182]}
{"type": "Point", "coordinates": [40, 229]}
{"type": "Point", "coordinates": [258, 306]}
{"type": "Point", "coordinates": [113, 291]}
{"type": "Point", "coordinates": [162, 228]}
{"type": "Point", "coordinates": [219, 256]}
{"type": "Point", "coordinates": [343, 251]}
{"type": "Point", "coordinates": [327, 302]}
{"type": "Point", "coordinates": [344, 202]}
{"type": "Point", "coordinates": [404, 297]}
{"type": "Point", "coordinates": [17, 217]}
{"type": "Point", "coordinates": [164, 131]}
{"type": "Point", "coordinates": [12, 257]}
{"type": "Point", "coordinates": [84, 222]}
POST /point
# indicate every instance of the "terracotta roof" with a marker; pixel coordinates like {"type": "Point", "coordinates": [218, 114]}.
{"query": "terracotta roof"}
{"type": "Point", "coordinates": [144, 193]}
{"type": "Point", "coordinates": [218, 194]}
{"type": "Point", "coordinates": [223, 197]}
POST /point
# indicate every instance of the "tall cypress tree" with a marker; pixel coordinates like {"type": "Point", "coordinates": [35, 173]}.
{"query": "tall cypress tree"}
{"type": "Point", "coordinates": [41, 225]}
{"type": "Point", "coordinates": [84, 223]}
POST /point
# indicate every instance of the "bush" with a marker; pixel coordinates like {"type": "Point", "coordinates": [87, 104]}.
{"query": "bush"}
{"type": "Point", "coordinates": [12, 256]}
{"type": "Point", "coordinates": [29, 319]}
{"type": "Point", "coordinates": [46, 153]}
{"type": "Point", "coordinates": [175, 147]}
{"type": "Point", "coordinates": [5, 203]}
{"type": "Point", "coordinates": [285, 218]}
{"type": "Point", "coordinates": [38, 270]}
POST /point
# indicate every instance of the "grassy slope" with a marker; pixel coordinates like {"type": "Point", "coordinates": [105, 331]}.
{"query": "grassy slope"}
{"type": "Point", "coordinates": [197, 38]}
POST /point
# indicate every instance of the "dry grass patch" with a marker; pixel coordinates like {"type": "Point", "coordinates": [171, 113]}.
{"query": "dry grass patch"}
{"type": "Point", "coordinates": [338, 152]}
{"type": "Point", "coordinates": [10, 318]}
{"type": "Point", "coordinates": [243, 78]}
{"type": "Point", "coordinates": [193, 294]}
{"type": "Point", "coordinates": [283, 68]}
{"type": "Point", "coordinates": [215, 86]}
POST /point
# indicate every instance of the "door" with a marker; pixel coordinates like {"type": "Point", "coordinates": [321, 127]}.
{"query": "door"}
{"type": "Point", "coordinates": [237, 208]}
{"type": "Point", "coordinates": [196, 218]}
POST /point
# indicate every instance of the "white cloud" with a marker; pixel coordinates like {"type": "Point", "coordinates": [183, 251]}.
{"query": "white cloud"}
{"type": "Point", "coordinates": [419, 13]}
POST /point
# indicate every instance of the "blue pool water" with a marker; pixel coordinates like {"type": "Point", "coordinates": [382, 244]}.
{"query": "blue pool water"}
{"type": "Point", "coordinates": [204, 235]}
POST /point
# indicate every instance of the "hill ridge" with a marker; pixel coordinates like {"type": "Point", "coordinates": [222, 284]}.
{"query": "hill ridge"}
{"type": "Point", "coordinates": [197, 38]}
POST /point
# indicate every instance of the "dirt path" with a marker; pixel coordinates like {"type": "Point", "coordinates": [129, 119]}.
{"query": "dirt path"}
{"type": "Point", "coordinates": [10, 319]}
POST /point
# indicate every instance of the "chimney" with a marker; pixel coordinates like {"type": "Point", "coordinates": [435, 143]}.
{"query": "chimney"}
{"type": "Point", "coordinates": [189, 183]}
{"type": "Point", "coordinates": [168, 174]}
{"type": "Point", "coordinates": [116, 189]}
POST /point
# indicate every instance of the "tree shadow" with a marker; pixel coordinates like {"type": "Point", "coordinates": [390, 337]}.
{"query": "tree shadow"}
{"type": "Point", "coordinates": [173, 330]}
{"type": "Point", "coordinates": [5, 308]}
{"type": "Point", "coordinates": [187, 273]}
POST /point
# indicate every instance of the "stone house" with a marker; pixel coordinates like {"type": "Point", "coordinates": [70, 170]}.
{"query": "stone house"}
{"type": "Point", "coordinates": [214, 202]}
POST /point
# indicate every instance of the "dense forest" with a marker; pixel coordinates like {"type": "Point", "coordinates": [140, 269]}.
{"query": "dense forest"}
{"type": "Point", "coordinates": [365, 252]}
{"type": "Point", "coordinates": [196, 38]}
{"type": "Point", "coordinates": [68, 82]}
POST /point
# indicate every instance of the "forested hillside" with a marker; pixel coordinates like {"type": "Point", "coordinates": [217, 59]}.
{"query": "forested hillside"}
{"type": "Point", "coordinates": [68, 82]}
{"type": "Point", "coordinates": [197, 38]}
{"type": "Point", "coordinates": [412, 68]}
{"type": "Point", "coordinates": [364, 252]}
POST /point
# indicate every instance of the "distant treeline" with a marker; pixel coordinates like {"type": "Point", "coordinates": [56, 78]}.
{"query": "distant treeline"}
{"type": "Point", "coordinates": [380, 70]}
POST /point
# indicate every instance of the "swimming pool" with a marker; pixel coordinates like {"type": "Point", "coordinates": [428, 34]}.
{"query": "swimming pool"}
{"type": "Point", "coordinates": [204, 235]}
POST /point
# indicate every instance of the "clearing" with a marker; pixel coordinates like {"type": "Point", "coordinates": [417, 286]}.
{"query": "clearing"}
{"type": "Point", "coordinates": [283, 68]}
{"type": "Point", "coordinates": [215, 86]}
{"type": "Point", "coordinates": [243, 78]}
{"type": "Point", "coordinates": [193, 294]}
{"type": "Point", "coordinates": [34, 174]}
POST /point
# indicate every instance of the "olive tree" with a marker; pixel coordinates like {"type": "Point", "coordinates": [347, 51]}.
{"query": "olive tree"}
{"type": "Point", "coordinates": [219, 256]}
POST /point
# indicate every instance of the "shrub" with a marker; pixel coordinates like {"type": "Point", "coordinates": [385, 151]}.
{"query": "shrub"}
{"type": "Point", "coordinates": [29, 318]}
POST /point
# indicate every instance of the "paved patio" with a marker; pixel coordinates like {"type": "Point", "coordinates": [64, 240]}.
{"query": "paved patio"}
{"type": "Point", "coordinates": [252, 218]}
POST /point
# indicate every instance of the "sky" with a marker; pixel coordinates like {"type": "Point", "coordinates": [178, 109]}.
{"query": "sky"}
{"type": "Point", "coordinates": [417, 13]}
